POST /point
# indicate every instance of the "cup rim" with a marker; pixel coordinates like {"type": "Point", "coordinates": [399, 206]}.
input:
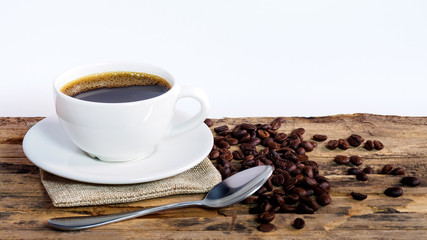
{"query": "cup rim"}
{"type": "Point", "coordinates": [170, 79]}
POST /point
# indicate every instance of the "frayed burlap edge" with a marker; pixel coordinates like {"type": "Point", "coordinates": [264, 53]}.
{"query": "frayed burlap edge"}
{"type": "Point", "coordinates": [68, 193]}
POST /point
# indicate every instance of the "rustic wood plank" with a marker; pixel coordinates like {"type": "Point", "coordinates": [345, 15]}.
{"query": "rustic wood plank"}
{"type": "Point", "coordinates": [25, 206]}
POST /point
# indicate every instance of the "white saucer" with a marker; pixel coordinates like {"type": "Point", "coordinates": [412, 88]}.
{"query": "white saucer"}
{"type": "Point", "coordinates": [47, 146]}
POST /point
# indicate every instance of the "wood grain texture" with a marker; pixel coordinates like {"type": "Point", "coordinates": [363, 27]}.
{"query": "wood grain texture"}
{"type": "Point", "coordinates": [25, 207]}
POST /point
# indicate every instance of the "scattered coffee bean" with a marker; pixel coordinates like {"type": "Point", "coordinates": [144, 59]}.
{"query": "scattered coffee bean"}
{"type": "Point", "coordinates": [369, 145]}
{"type": "Point", "coordinates": [266, 217]}
{"type": "Point", "coordinates": [353, 171]}
{"type": "Point", "coordinates": [398, 171]}
{"type": "Point", "coordinates": [368, 170]}
{"type": "Point", "coordinates": [362, 176]}
{"type": "Point", "coordinates": [387, 169]}
{"type": "Point", "coordinates": [410, 181]}
{"type": "Point", "coordinates": [220, 129]}
{"type": "Point", "coordinates": [378, 145]}
{"type": "Point", "coordinates": [358, 196]}
{"type": "Point", "coordinates": [341, 159]}
{"type": "Point", "coordinates": [356, 160]}
{"type": "Point", "coordinates": [209, 122]}
{"type": "Point", "coordinates": [214, 154]}
{"type": "Point", "coordinates": [332, 144]}
{"type": "Point", "coordinates": [394, 192]}
{"type": "Point", "coordinates": [355, 140]}
{"type": "Point", "coordinates": [319, 137]}
{"type": "Point", "coordinates": [343, 144]}
{"type": "Point", "coordinates": [299, 223]}
{"type": "Point", "coordinates": [266, 227]}
{"type": "Point", "coordinates": [323, 199]}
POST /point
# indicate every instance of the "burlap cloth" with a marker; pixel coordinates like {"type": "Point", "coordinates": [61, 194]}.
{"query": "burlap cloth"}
{"type": "Point", "coordinates": [69, 193]}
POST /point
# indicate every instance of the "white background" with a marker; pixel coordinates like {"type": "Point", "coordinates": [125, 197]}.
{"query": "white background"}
{"type": "Point", "coordinates": [252, 58]}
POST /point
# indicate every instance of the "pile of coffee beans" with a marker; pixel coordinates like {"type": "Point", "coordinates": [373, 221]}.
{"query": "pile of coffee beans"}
{"type": "Point", "coordinates": [295, 185]}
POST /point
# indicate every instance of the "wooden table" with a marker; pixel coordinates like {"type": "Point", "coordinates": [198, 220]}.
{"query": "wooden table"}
{"type": "Point", "coordinates": [25, 206]}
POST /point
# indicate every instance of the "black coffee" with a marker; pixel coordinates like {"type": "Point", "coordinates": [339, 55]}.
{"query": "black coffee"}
{"type": "Point", "coordinates": [116, 87]}
{"type": "Point", "coordinates": [122, 94]}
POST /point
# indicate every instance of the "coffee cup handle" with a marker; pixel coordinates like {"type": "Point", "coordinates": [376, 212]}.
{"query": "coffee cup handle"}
{"type": "Point", "coordinates": [198, 118]}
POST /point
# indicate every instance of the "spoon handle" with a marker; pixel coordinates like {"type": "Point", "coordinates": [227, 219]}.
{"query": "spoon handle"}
{"type": "Point", "coordinates": [78, 223]}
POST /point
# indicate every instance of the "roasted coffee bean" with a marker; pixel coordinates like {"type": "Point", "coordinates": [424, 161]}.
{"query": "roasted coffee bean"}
{"type": "Point", "coordinates": [280, 137]}
{"type": "Point", "coordinates": [248, 127]}
{"type": "Point", "coordinates": [263, 133]}
{"type": "Point", "coordinates": [358, 196]}
{"type": "Point", "coordinates": [362, 176]}
{"type": "Point", "coordinates": [238, 155]}
{"type": "Point", "coordinates": [307, 171]}
{"type": "Point", "coordinates": [368, 170]}
{"type": "Point", "coordinates": [356, 160]}
{"type": "Point", "coordinates": [275, 124]}
{"type": "Point", "coordinates": [224, 171]}
{"type": "Point", "coordinates": [255, 141]}
{"type": "Point", "coordinates": [214, 154]}
{"type": "Point", "coordinates": [310, 202]}
{"type": "Point", "coordinates": [301, 192]}
{"type": "Point", "coordinates": [301, 150]}
{"type": "Point", "coordinates": [268, 185]}
{"type": "Point", "coordinates": [278, 180]}
{"type": "Point", "coordinates": [394, 192]}
{"type": "Point", "coordinates": [291, 198]}
{"type": "Point", "coordinates": [238, 133]}
{"type": "Point", "coordinates": [223, 144]}
{"type": "Point", "coordinates": [287, 208]}
{"type": "Point", "coordinates": [309, 182]}
{"type": "Point", "coordinates": [353, 171]}
{"type": "Point", "coordinates": [221, 128]}
{"type": "Point", "coordinates": [410, 181]}
{"type": "Point", "coordinates": [223, 163]}
{"type": "Point", "coordinates": [319, 191]}
{"type": "Point", "coordinates": [355, 140]}
{"type": "Point", "coordinates": [266, 227]}
{"type": "Point", "coordinates": [332, 144]}
{"type": "Point", "coordinates": [323, 199]}
{"type": "Point", "coordinates": [232, 141]}
{"type": "Point", "coordinates": [314, 144]}
{"type": "Point", "coordinates": [319, 137]}
{"type": "Point", "coordinates": [343, 144]}
{"type": "Point", "coordinates": [266, 217]}
{"type": "Point", "coordinates": [249, 157]}
{"type": "Point", "coordinates": [309, 193]}
{"type": "Point", "coordinates": [226, 156]}
{"type": "Point", "coordinates": [387, 169]}
{"type": "Point", "coordinates": [307, 146]}
{"type": "Point", "coordinates": [304, 209]}
{"type": "Point", "coordinates": [398, 171]}
{"type": "Point", "coordinates": [209, 122]}
{"type": "Point", "coordinates": [300, 131]}
{"type": "Point", "coordinates": [245, 138]}
{"type": "Point", "coordinates": [341, 159]}
{"type": "Point", "coordinates": [299, 223]}
{"type": "Point", "coordinates": [266, 141]}
{"type": "Point", "coordinates": [369, 145]}
{"type": "Point", "coordinates": [378, 145]}
{"type": "Point", "coordinates": [218, 139]}
{"type": "Point", "coordinates": [324, 185]}
{"type": "Point", "coordinates": [278, 199]}
{"type": "Point", "coordinates": [273, 145]}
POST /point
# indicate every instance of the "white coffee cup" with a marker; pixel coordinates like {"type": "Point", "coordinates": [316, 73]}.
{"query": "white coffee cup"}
{"type": "Point", "coordinates": [127, 131]}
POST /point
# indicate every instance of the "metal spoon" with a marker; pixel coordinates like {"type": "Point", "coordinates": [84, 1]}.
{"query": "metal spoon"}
{"type": "Point", "coordinates": [232, 190]}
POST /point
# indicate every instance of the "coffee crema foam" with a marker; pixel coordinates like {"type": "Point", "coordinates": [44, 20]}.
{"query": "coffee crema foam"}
{"type": "Point", "coordinates": [112, 80]}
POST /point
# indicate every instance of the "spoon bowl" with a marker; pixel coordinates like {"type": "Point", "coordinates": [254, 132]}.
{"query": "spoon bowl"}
{"type": "Point", "coordinates": [232, 190]}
